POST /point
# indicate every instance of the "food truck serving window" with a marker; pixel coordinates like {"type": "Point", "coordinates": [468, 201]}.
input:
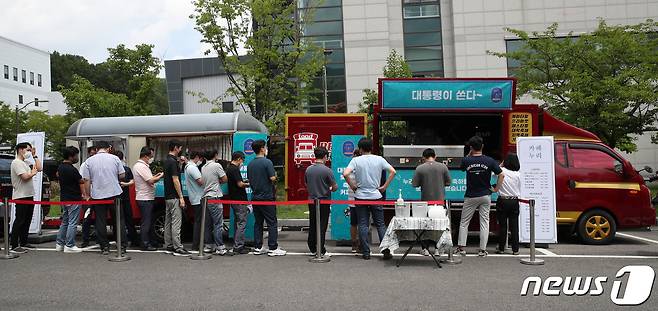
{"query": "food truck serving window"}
{"type": "Point", "coordinates": [490, 94]}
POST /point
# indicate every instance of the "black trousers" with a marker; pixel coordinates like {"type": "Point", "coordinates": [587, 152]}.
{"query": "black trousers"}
{"type": "Point", "coordinates": [127, 217]}
{"type": "Point", "coordinates": [207, 231]}
{"type": "Point", "coordinates": [507, 212]}
{"type": "Point", "coordinates": [324, 220]}
{"type": "Point", "coordinates": [22, 220]}
{"type": "Point", "coordinates": [101, 225]}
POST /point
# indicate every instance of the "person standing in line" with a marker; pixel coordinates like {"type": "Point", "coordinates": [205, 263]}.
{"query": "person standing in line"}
{"type": "Point", "coordinates": [368, 170]}
{"type": "Point", "coordinates": [23, 189]}
{"type": "Point", "coordinates": [87, 210]}
{"type": "Point", "coordinates": [507, 205]}
{"type": "Point", "coordinates": [262, 177]}
{"type": "Point", "coordinates": [237, 191]}
{"type": "Point", "coordinates": [213, 175]}
{"type": "Point", "coordinates": [126, 207]}
{"type": "Point", "coordinates": [478, 169]}
{"type": "Point", "coordinates": [175, 202]}
{"type": "Point", "coordinates": [354, 219]}
{"type": "Point", "coordinates": [320, 182]}
{"type": "Point", "coordinates": [145, 196]}
{"type": "Point", "coordinates": [194, 183]}
{"type": "Point", "coordinates": [102, 174]}
{"type": "Point", "coordinates": [71, 188]}
{"type": "Point", "coordinates": [432, 177]}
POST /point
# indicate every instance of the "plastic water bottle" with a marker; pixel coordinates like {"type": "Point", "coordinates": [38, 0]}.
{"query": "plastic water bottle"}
{"type": "Point", "coordinates": [399, 205]}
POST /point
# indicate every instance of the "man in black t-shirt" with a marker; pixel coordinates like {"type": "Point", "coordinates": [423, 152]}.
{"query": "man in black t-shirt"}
{"type": "Point", "coordinates": [174, 200]}
{"type": "Point", "coordinates": [71, 188]}
{"type": "Point", "coordinates": [478, 169]}
{"type": "Point", "coordinates": [237, 191]}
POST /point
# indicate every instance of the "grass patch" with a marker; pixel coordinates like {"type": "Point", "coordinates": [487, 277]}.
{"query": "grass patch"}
{"type": "Point", "coordinates": [288, 211]}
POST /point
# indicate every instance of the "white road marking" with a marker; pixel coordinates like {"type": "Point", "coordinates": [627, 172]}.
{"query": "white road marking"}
{"type": "Point", "coordinates": [546, 252]}
{"type": "Point", "coordinates": [626, 235]}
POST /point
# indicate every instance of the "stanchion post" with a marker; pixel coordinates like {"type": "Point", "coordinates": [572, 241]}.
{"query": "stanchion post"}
{"type": "Point", "coordinates": [319, 257]}
{"type": "Point", "coordinates": [202, 242]}
{"type": "Point", "coordinates": [117, 213]}
{"type": "Point", "coordinates": [532, 260]}
{"type": "Point", "coordinates": [451, 258]}
{"type": "Point", "coordinates": [5, 223]}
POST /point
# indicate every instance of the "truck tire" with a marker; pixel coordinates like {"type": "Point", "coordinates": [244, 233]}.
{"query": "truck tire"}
{"type": "Point", "coordinates": [158, 225]}
{"type": "Point", "coordinates": [597, 227]}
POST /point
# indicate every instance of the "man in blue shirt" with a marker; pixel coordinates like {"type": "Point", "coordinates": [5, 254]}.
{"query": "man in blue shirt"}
{"type": "Point", "coordinates": [368, 170]}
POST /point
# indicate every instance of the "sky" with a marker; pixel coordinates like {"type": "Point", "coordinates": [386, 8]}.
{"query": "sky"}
{"type": "Point", "coordinates": [89, 27]}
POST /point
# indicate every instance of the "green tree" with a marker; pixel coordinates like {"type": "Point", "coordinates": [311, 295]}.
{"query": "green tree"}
{"type": "Point", "coordinates": [84, 100]}
{"type": "Point", "coordinates": [260, 46]}
{"type": "Point", "coordinates": [8, 127]}
{"type": "Point", "coordinates": [55, 128]}
{"type": "Point", "coordinates": [605, 81]}
{"type": "Point", "coordinates": [396, 67]}
{"type": "Point", "coordinates": [64, 66]}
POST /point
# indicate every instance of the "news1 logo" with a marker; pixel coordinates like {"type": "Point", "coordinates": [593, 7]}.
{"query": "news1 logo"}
{"type": "Point", "coordinates": [638, 285]}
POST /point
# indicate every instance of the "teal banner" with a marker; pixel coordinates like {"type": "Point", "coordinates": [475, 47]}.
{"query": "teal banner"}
{"type": "Point", "coordinates": [447, 94]}
{"type": "Point", "coordinates": [343, 147]}
{"type": "Point", "coordinates": [454, 192]}
{"type": "Point", "coordinates": [242, 142]}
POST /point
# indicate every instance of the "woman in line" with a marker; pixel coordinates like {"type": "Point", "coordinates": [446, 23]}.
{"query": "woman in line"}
{"type": "Point", "coordinates": [507, 206]}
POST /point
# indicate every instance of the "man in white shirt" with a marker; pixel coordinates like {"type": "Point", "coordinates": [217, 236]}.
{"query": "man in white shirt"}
{"type": "Point", "coordinates": [23, 189]}
{"type": "Point", "coordinates": [145, 195]}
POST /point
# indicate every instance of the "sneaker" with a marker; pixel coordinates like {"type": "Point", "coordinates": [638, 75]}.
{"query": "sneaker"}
{"type": "Point", "coordinates": [276, 252]}
{"type": "Point", "coordinates": [29, 246]}
{"type": "Point", "coordinates": [73, 249]}
{"type": "Point", "coordinates": [260, 251]}
{"type": "Point", "coordinates": [105, 251]}
{"type": "Point", "coordinates": [459, 251]}
{"type": "Point", "coordinates": [366, 257]}
{"type": "Point", "coordinates": [515, 253]}
{"type": "Point", "coordinates": [207, 249]}
{"type": "Point", "coordinates": [424, 252]}
{"type": "Point", "coordinates": [312, 254]}
{"type": "Point", "coordinates": [169, 250]}
{"type": "Point", "coordinates": [240, 251]}
{"type": "Point", "coordinates": [149, 249]}
{"type": "Point", "coordinates": [483, 253]}
{"type": "Point", "coordinates": [221, 251]}
{"type": "Point", "coordinates": [387, 254]}
{"type": "Point", "coordinates": [84, 244]}
{"type": "Point", "coordinates": [499, 251]}
{"type": "Point", "coordinates": [18, 250]}
{"type": "Point", "coordinates": [59, 248]}
{"type": "Point", "coordinates": [181, 252]}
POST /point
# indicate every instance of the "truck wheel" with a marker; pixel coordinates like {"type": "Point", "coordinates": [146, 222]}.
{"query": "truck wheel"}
{"type": "Point", "coordinates": [158, 225]}
{"type": "Point", "coordinates": [597, 227]}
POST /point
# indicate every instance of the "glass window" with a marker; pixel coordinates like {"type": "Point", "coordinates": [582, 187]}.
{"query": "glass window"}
{"type": "Point", "coordinates": [423, 53]}
{"type": "Point", "coordinates": [23, 76]}
{"type": "Point", "coordinates": [39, 79]}
{"type": "Point", "coordinates": [422, 39]}
{"type": "Point", "coordinates": [561, 154]}
{"type": "Point", "coordinates": [327, 42]}
{"type": "Point", "coordinates": [419, 1]}
{"type": "Point", "coordinates": [323, 28]}
{"type": "Point", "coordinates": [425, 65]}
{"type": "Point", "coordinates": [428, 74]}
{"type": "Point", "coordinates": [31, 78]}
{"type": "Point", "coordinates": [592, 159]}
{"type": "Point", "coordinates": [15, 70]}
{"type": "Point", "coordinates": [323, 14]}
{"type": "Point", "coordinates": [333, 83]}
{"type": "Point", "coordinates": [20, 99]}
{"type": "Point", "coordinates": [422, 25]}
{"type": "Point", "coordinates": [419, 11]}
{"type": "Point", "coordinates": [318, 3]}
{"type": "Point", "coordinates": [335, 69]}
{"type": "Point", "coordinates": [6, 72]}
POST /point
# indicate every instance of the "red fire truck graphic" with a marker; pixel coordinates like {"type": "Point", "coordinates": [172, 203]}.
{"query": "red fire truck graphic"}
{"type": "Point", "coordinates": [304, 143]}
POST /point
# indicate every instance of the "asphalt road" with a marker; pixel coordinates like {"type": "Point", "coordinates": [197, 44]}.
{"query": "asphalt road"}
{"type": "Point", "coordinates": [44, 279]}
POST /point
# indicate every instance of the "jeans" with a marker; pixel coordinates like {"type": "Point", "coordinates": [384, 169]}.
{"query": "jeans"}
{"type": "Point", "coordinates": [482, 204]}
{"type": "Point", "coordinates": [147, 236]}
{"type": "Point", "coordinates": [240, 211]}
{"type": "Point", "coordinates": [266, 213]}
{"type": "Point", "coordinates": [21, 227]}
{"type": "Point", "coordinates": [101, 225]}
{"type": "Point", "coordinates": [324, 220]}
{"type": "Point", "coordinates": [217, 216]}
{"type": "Point", "coordinates": [70, 216]}
{"type": "Point", "coordinates": [363, 212]}
{"type": "Point", "coordinates": [207, 229]}
{"type": "Point", "coordinates": [173, 222]}
{"type": "Point", "coordinates": [508, 211]}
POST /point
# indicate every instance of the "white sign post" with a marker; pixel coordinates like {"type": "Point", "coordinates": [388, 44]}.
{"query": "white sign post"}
{"type": "Point", "coordinates": [536, 156]}
{"type": "Point", "coordinates": [37, 140]}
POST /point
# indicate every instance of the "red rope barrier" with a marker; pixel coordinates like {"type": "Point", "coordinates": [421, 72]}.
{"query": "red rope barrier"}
{"type": "Point", "coordinates": [302, 202]}
{"type": "Point", "coordinates": [91, 202]}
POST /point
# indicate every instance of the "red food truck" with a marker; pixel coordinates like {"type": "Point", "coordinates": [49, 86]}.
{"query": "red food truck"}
{"type": "Point", "coordinates": [598, 191]}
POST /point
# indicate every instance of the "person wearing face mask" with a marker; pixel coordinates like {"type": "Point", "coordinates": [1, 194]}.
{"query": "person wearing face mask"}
{"type": "Point", "coordinates": [145, 195]}
{"type": "Point", "coordinates": [23, 189]}
{"type": "Point", "coordinates": [237, 190]}
{"type": "Point", "coordinates": [72, 188]}
{"type": "Point", "coordinates": [194, 183]}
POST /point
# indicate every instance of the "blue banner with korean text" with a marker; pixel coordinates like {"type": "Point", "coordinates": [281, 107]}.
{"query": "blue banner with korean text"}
{"type": "Point", "coordinates": [448, 94]}
{"type": "Point", "coordinates": [343, 147]}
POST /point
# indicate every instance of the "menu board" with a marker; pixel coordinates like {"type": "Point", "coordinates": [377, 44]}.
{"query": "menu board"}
{"type": "Point", "coordinates": [520, 125]}
{"type": "Point", "coordinates": [536, 156]}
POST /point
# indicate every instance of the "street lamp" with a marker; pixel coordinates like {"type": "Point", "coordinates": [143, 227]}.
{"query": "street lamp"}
{"type": "Point", "coordinates": [327, 52]}
{"type": "Point", "coordinates": [25, 106]}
